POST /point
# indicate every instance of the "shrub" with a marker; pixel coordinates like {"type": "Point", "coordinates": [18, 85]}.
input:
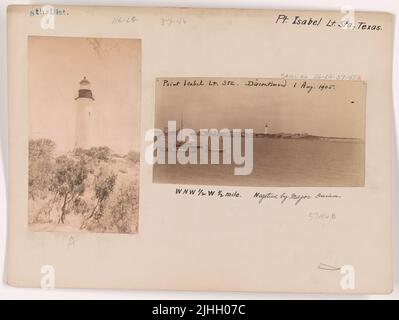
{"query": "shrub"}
{"type": "Point", "coordinates": [120, 214]}
{"type": "Point", "coordinates": [133, 156]}
{"type": "Point", "coordinates": [94, 154]}
{"type": "Point", "coordinates": [103, 186]}
{"type": "Point", "coordinates": [41, 162]}
{"type": "Point", "coordinates": [124, 210]}
{"type": "Point", "coordinates": [68, 183]}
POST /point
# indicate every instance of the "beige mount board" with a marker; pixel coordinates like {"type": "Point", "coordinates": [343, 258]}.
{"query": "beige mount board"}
{"type": "Point", "coordinates": [86, 208]}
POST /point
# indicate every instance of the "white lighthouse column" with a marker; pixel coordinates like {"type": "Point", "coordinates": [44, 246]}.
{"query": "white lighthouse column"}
{"type": "Point", "coordinates": [85, 136]}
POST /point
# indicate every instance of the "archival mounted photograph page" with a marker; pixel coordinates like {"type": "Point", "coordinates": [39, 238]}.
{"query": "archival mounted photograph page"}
{"type": "Point", "coordinates": [83, 134]}
{"type": "Point", "coordinates": [307, 133]}
{"type": "Point", "coordinates": [200, 149]}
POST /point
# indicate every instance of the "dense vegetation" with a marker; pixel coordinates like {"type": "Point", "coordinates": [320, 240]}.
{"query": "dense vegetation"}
{"type": "Point", "coordinates": [91, 186]}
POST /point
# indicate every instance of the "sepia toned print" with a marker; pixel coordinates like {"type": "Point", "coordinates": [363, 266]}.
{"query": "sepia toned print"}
{"type": "Point", "coordinates": [306, 133]}
{"type": "Point", "coordinates": [83, 97]}
{"type": "Point", "coordinates": [200, 240]}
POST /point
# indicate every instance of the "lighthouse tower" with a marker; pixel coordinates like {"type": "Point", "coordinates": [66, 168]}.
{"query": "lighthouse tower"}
{"type": "Point", "coordinates": [266, 129]}
{"type": "Point", "coordinates": [85, 124]}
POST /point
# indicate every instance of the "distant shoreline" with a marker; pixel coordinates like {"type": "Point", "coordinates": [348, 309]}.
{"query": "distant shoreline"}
{"type": "Point", "coordinates": [295, 136]}
{"type": "Point", "coordinates": [281, 135]}
{"type": "Point", "coordinates": [304, 136]}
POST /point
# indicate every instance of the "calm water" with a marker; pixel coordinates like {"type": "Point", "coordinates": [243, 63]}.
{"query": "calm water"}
{"type": "Point", "coordinates": [280, 163]}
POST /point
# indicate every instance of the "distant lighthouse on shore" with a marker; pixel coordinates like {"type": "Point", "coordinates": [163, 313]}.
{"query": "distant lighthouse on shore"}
{"type": "Point", "coordinates": [266, 129]}
{"type": "Point", "coordinates": [85, 117]}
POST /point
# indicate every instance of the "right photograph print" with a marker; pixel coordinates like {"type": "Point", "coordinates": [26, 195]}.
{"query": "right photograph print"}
{"type": "Point", "coordinates": [260, 132]}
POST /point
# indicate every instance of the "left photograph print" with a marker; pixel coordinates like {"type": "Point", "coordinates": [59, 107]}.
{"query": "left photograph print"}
{"type": "Point", "coordinates": [84, 134]}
